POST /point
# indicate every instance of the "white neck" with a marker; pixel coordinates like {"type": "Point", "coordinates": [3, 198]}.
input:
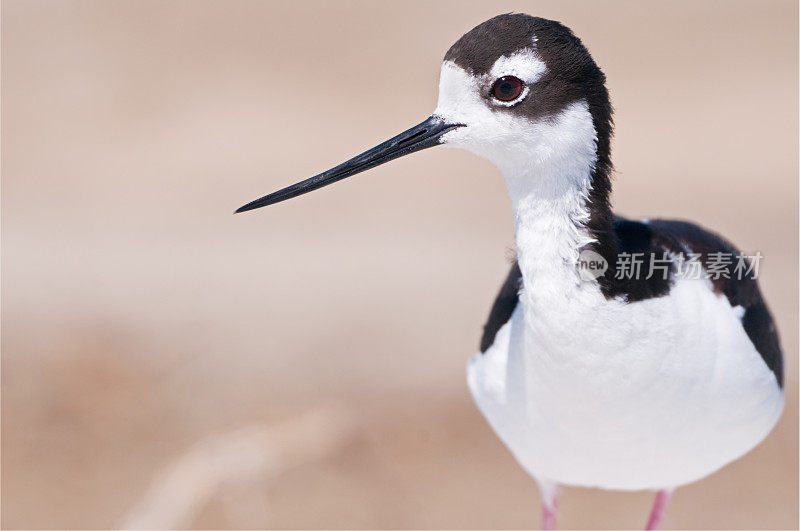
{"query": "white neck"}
{"type": "Point", "coordinates": [547, 163]}
{"type": "Point", "coordinates": [549, 192]}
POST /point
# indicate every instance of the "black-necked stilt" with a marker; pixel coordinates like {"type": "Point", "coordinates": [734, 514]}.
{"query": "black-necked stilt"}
{"type": "Point", "coordinates": [604, 362]}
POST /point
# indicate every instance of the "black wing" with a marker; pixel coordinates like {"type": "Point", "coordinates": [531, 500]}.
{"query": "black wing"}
{"type": "Point", "coordinates": [503, 307]}
{"type": "Point", "coordinates": [680, 237]}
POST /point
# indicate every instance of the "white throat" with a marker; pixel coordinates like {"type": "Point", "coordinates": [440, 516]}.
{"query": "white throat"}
{"type": "Point", "coordinates": [547, 164]}
{"type": "Point", "coordinates": [549, 192]}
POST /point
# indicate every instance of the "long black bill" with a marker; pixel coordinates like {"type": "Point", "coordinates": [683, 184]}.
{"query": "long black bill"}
{"type": "Point", "coordinates": [419, 137]}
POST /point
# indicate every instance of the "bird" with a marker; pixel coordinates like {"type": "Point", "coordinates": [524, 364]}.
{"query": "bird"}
{"type": "Point", "coordinates": [592, 373]}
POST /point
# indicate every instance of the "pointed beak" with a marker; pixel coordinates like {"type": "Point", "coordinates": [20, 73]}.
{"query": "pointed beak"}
{"type": "Point", "coordinates": [421, 136]}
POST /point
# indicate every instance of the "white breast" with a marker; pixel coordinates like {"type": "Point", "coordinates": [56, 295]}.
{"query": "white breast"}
{"type": "Point", "coordinates": [647, 395]}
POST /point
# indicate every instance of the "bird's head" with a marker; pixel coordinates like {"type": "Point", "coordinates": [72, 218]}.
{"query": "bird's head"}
{"type": "Point", "coordinates": [517, 90]}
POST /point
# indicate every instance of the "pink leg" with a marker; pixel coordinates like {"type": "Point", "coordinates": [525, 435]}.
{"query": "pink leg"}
{"type": "Point", "coordinates": [549, 503]}
{"type": "Point", "coordinates": [548, 517]}
{"type": "Point", "coordinates": [659, 509]}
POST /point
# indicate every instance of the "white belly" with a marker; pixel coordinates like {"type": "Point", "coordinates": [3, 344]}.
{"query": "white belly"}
{"type": "Point", "coordinates": [648, 395]}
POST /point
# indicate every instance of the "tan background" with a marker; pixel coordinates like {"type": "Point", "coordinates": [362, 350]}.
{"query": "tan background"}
{"type": "Point", "coordinates": [140, 316]}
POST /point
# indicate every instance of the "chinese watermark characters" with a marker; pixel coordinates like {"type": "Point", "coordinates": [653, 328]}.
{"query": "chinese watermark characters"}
{"type": "Point", "coordinates": [690, 266]}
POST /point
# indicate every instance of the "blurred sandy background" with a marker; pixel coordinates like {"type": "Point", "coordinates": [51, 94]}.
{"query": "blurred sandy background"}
{"type": "Point", "coordinates": [140, 316]}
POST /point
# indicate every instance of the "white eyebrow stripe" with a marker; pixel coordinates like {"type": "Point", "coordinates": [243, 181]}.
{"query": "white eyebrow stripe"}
{"type": "Point", "coordinates": [524, 64]}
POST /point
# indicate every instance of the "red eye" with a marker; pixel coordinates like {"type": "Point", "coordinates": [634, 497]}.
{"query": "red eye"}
{"type": "Point", "coordinates": [507, 88]}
